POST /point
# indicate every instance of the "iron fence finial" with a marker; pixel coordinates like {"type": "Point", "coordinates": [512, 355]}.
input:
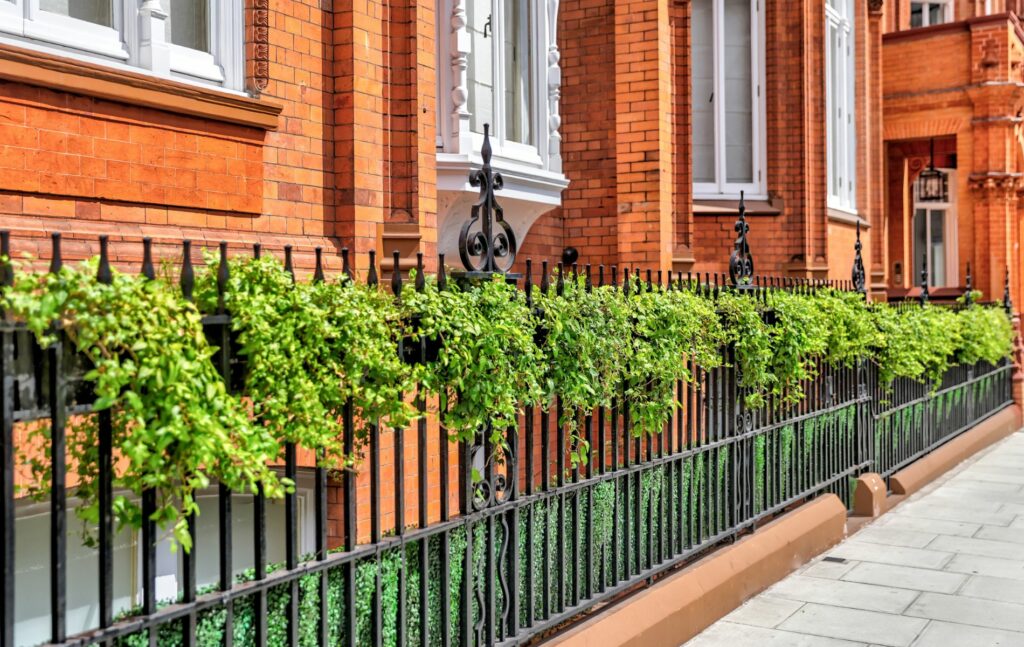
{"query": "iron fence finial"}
{"type": "Point", "coordinates": [1007, 301]}
{"type": "Point", "coordinates": [924, 279]}
{"type": "Point", "coordinates": [858, 265]}
{"type": "Point", "coordinates": [487, 245]}
{"type": "Point", "coordinates": [741, 262]}
{"type": "Point", "coordinates": [969, 287]}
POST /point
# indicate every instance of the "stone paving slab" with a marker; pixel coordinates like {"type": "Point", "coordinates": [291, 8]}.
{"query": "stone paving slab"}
{"type": "Point", "coordinates": [945, 569]}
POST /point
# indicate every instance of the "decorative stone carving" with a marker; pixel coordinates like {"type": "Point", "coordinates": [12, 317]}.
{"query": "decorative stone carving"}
{"type": "Point", "coordinates": [554, 88]}
{"type": "Point", "coordinates": [258, 46]}
{"type": "Point", "coordinates": [460, 49]}
{"type": "Point", "coordinates": [875, 6]}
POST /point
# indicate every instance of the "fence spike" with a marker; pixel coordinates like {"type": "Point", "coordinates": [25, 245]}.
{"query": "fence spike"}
{"type": "Point", "coordinates": [545, 285]}
{"type": "Point", "coordinates": [650, 284]}
{"type": "Point", "coordinates": [288, 265]}
{"type": "Point", "coordinates": [346, 270]}
{"type": "Point", "coordinates": [188, 275]}
{"type": "Point", "coordinates": [103, 273]}
{"type": "Point", "coordinates": [589, 283]}
{"type": "Point", "coordinates": [600, 275]}
{"type": "Point", "coordinates": [257, 250]}
{"type": "Point", "coordinates": [318, 271]}
{"type": "Point", "coordinates": [560, 285]}
{"type": "Point", "coordinates": [442, 276]}
{"type": "Point", "coordinates": [528, 284]}
{"type": "Point", "coordinates": [371, 275]}
{"type": "Point", "coordinates": [223, 274]}
{"type": "Point", "coordinates": [6, 269]}
{"type": "Point", "coordinates": [147, 258]}
{"type": "Point", "coordinates": [615, 276]}
{"type": "Point", "coordinates": [56, 262]}
{"type": "Point", "coordinates": [396, 275]}
{"type": "Point", "coordinates": [421, 278]}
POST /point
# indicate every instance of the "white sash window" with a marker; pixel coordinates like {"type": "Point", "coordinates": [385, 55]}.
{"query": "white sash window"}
{"type": "Point", "coordinates": [728, 98]}
{"type": "Point", "coordinates": [932, 12]}
{"type": "Point", "coordinates": [841, 126]}
{"type": "Point", "coordinates": [197, 41]}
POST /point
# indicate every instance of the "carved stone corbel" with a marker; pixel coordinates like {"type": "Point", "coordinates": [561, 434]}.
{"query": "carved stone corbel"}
{"type": "Point", "coordinates": [257, 46]}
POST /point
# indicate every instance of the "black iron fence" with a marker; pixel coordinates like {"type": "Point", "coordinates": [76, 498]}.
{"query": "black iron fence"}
{"type": "Point", "coordinates": [532, 542]}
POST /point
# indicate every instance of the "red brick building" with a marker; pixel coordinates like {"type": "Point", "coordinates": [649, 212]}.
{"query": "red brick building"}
{"type": "Point", "coordinates": [620, 128]}
{"type": "Point", "coordinates": [952, 82]}
{"type": "Point", "coordinates": [627, 129]}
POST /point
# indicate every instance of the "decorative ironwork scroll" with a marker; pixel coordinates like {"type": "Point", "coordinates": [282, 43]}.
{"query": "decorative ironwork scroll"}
{"type": "Point", "coordinates": [741, 262]}
{"type": "Point", "coordinates": [480, 251]}
{"type": "Point", "coordinates": [1007, 301]}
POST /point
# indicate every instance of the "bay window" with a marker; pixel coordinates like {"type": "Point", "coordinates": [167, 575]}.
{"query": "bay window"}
{"type": "Point", "coordinates": [197, 41]}
{"type": "Point", "coordinates": [841, 127]}
{"type": "Point", "coordinates": [499, 65]}
{"type": "Point", "coordinates": [728, 101]}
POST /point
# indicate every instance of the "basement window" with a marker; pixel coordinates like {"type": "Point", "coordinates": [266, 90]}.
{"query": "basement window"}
{"type": "Point", "coordinates": [198, 41]}
{"type": "Point", "coordinates": [728, 100]}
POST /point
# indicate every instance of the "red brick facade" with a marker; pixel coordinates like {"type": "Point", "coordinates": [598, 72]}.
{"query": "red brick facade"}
{"type": "Point", "coordinates": [339, 149]}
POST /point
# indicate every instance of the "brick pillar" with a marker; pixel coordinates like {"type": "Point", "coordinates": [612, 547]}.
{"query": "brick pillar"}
{"type": "Point", "coordinates": [643, 133]}
{"type": "Point", "coordinates": [425, 118]}
{"type": "Point", "coordinates": [359, 124]}
{"type": "Point", "coordinates": [875, 163]}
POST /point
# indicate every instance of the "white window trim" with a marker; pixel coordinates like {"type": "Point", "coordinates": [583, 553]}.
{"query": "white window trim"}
{"type": "Point", "coordinates": [846, 165]}
{"type": "Point", "coordinates": [951, 225]}
{"type": "Point", "coordinates": [125, 46]}
{"type": "Point", "coordinates": [722, 189]}
{"type": "Point", "coordinates": [458, 146]}
{"type": "Point", "coordinates": [947, 11]}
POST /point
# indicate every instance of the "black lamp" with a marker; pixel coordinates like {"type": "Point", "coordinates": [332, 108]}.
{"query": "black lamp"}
{"type": "Point", "coordinates": [932, 184]}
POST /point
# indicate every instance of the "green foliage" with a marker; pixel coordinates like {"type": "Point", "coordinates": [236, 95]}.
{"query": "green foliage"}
{"type": "Point", "coordinates": [488, 366]}
{"type": "Point", "coordinates": [308, 348]}
{"type": "Point", "coordinates": [175, 427]}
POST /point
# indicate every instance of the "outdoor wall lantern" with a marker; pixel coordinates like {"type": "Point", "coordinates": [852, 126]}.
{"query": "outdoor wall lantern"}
{"type": "Point", "coordinates": [932, 184]}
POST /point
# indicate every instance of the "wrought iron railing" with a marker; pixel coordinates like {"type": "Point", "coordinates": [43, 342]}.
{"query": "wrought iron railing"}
{"type": "Point", "coordinates": [497, 560]}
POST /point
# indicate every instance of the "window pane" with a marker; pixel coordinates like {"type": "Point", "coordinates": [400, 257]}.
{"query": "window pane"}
{"type": "Point", "coordinates": [916, 15]}
{"type": "Point", "coordinates": [835, 122]}
{"type": "Point", "coordinates": [703, 62]}
{"type": "Point", "coordinates": [739, 96]}
{"type": "Point", "coordinates": [94, 11]}
{"type": "Point", "coordinates": [936, 14]}
{"type": "Point", "coordinates": [518, 95]}
{"type": "Point", "coordinates": [937, 248]}
{"type": "Point", "coordinates": [188, 24]}
{"type": "Point", "coordinates": [481, 64]}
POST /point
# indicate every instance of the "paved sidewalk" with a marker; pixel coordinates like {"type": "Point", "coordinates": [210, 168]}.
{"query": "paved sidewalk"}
{"type": "Point", "coordinates": [945, 569]}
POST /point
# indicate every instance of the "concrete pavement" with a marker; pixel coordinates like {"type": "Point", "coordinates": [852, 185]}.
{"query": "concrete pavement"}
{"type": "Point", "coordinates": [944, 569]}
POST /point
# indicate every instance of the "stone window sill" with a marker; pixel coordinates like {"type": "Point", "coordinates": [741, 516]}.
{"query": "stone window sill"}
{"type": "Point", "coordinates": [79, 77]}
{"type": "Point", "coordinates": [773, 207]}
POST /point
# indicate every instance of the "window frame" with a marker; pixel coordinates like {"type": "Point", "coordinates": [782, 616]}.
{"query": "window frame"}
{"type": "Point", "coordinates": [947, 12]}
{"type": "Point", "coordinates": [721, 188]}
{"type": "Point", "coordinates": [23, 23]}
{"type": "Point", "coordinates": [502, 146]}
{"type": "Point", "coordinates": [843, 168]}
{"type": "Point", "coordinates": [458, 145]}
